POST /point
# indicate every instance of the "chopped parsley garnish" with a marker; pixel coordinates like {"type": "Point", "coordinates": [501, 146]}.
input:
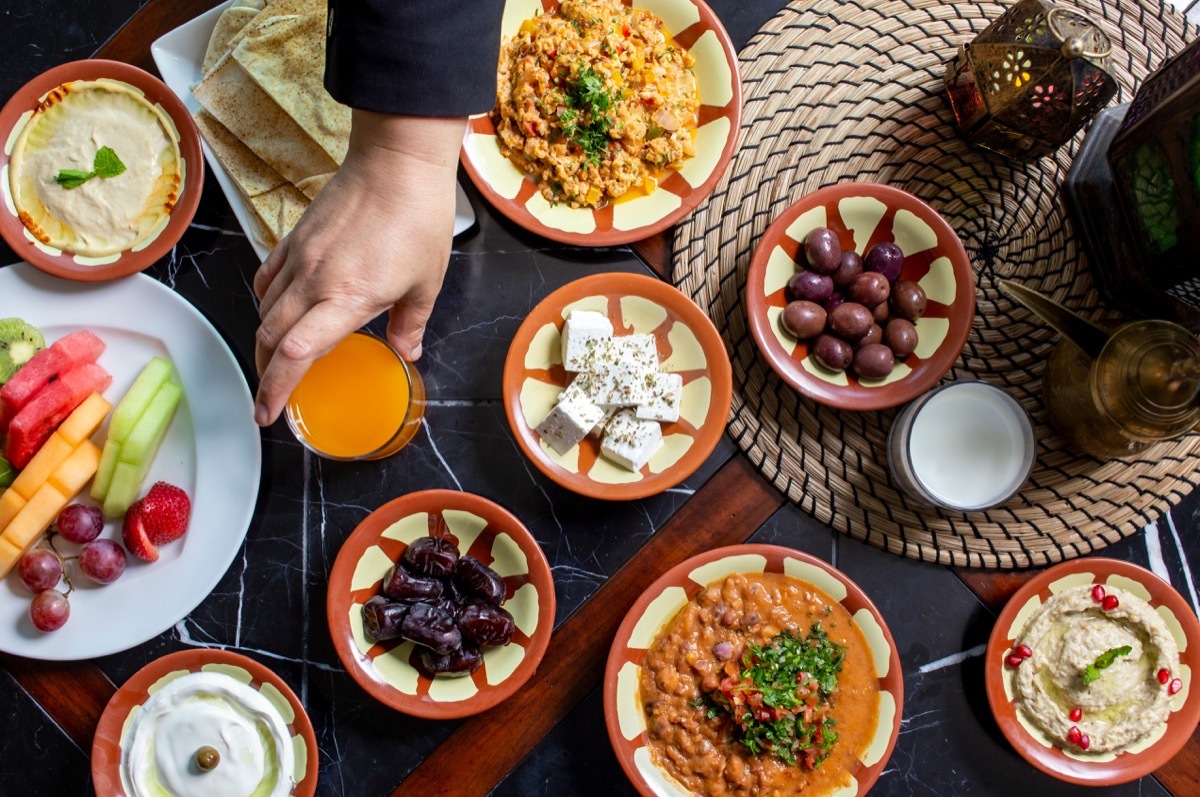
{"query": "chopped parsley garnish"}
{"type": "Point", "coordinates": [586, 119]}
{"type": "Point", "coordinates": [781, 699]}
{"type": "Point", "coordinates": [105, 164]}
{"type": "Point", "coordinates": [1103, 662]}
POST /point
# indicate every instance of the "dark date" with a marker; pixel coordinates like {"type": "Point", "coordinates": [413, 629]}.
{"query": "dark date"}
{"type": "Point", "coordinates": [382, 618]}
{"type": "Point", "coordinates": [431, 556]}
{"type": "Point", "coordinates": [476, 578]}
{"type": "Point", "coordinates": [486, 625]}
{"type": "Point", "coordinates": [463, 661]}
{"type": "Point", "coordinates": [402, 585]}
{"type": "Point", "coordinates": [432, 627]}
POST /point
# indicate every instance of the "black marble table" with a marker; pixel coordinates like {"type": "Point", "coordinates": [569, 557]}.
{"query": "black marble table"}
{"type": "Point", "coordinates": [270, 605]}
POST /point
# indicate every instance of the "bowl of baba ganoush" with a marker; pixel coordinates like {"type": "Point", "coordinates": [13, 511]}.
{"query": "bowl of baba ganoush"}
{"type": "Point", "coordinates": [100, 173]}
{"type": "Point", "coordinates": [1089, 671]}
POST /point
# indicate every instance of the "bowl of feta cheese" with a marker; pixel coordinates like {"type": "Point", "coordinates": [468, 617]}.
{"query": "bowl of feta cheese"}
{"type": "Point", "coordinates": [617, 386]}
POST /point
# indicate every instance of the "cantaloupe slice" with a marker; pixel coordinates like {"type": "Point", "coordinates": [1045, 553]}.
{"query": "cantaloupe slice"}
{"type": "Point", "coordinates": [10, 504]}
{"type": "Point", "coordinates": [67, 480]}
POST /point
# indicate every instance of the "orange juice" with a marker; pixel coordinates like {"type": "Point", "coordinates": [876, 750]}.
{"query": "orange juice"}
{"type": "Point", "coordinates": [359, 401]}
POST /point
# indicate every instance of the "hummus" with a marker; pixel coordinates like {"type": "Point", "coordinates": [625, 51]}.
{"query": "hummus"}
{"type": "Point", "coordinates": [1127, 700]}
{"type": "Point", "coordinates": [207, 709]}
{"type": "Point", "coordinates": [104, 215]}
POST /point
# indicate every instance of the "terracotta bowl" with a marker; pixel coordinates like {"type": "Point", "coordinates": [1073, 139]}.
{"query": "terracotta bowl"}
{"type": "Point", "coordinates": [1100, 769]}
{"type": "Point", "coordinates": [696, 27]}
{"type": "Point", "coordinates": [688, 343]}
{"type": "Point", "coordinates": [106, 745]}
{"type": "Point", "coordinates": [71, 266]}
{"type": "Point", "coordinates": [862, 215]}
{"type": "Point", "coordinates": [623, 708]}
{"type": "Point", "coordinates": [386, 670]}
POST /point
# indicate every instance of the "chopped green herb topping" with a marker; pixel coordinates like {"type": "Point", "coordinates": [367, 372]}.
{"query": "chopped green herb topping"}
{"type": "Point", "coordinates": [781, 699]}
{"type": "Point", "coordinates": [586, 119]}
{"type": "Point", "coordinates": [1103, 662]}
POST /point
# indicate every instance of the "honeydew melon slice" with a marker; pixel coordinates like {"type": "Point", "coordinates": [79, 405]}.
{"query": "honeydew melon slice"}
{"type": "Point", "coordinates": [127, 413]}
{"type": "Point", "coordinates": [138, 450]}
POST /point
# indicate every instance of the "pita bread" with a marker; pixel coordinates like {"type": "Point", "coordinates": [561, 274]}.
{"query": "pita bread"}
{"type": "Point", "coordinates": [312, 186]}
{"type": "Point", "coordinates": [279, 210]}
{"type": "Point", "coordinates": [231, 21]}
{"type": "Point", "coordinates": [282, 8]}
{"type": "Point", "coordinates": [238, 103]}
{"type": "Point", "coordinates": [248, 171]}
{"type": "Point", "coordinates": [285, 56]}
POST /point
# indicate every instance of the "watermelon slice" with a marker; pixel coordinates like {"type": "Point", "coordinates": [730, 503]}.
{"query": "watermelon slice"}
{"type": "Point", "coordinates": [42, 414]}
{"type": "Point", "coordinates": [69, 351]}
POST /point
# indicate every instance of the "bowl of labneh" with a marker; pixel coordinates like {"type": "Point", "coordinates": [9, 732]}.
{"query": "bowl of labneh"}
{"type": "Point", "coordinates": [204, 722]}
{"type": "Point", "coordinates": [100, 173]}
{"type": "Point", "coordinates": [1089, 671]}
{"type": "Point", "coordinates": [753, 669]}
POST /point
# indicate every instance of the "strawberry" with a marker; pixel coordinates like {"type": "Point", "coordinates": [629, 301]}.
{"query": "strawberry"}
{"type": "Point", "coordinates": [133, 534]}
{"type": "Point", "coordinates": [166, 510]}
{"type": "Point", "coordinates": [160, 517]}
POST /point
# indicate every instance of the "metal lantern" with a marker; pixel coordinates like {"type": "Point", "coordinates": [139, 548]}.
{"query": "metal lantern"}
{"type": "Point", "coordinates": [1030, 80]}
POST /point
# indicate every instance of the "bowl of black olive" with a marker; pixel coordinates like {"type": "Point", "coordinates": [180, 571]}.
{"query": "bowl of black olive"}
{"type": "Point", "coordinates": [441, 604]}
{"type": "Point", "coordinates": [860, 296]}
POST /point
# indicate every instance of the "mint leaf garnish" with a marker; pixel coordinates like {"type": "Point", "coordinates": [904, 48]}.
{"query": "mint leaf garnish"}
{"type": "Point", "coordinates": [72, 178]}
{"type": "Point", "coordinates": [1103, 662]}
{"type": "Point", "coordinates": [105, 164]}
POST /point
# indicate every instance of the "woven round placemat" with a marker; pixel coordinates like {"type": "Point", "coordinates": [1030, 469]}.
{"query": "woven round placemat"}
{"type": "Point", "coordinates": [840, 91]}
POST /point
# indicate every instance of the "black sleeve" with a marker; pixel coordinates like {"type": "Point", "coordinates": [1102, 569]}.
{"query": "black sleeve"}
{"type": "Point", "coordinates": [414, 57]}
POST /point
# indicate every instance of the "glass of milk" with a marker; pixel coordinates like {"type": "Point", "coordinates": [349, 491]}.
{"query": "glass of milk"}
{"type": "Point", "coordinates": [966, 446]}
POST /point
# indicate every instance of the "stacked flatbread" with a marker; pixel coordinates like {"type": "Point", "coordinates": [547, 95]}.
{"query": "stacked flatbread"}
{"type": "Point", "coordinates": [266, 114]}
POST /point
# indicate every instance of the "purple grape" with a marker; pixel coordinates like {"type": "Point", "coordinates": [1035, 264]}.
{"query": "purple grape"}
{"type": "Point", "coordinates": [103, 561]}
{"type": "Point", "coordinates": [810, 286]}
{"type": "Point", "coordinates": [80, 523]}
{"type": "Point", "coordinates": [40, 569]}
{"type": "Point", "coordinates": [885, 258]}
{"type": "Point", "coordinates": [49, 610]}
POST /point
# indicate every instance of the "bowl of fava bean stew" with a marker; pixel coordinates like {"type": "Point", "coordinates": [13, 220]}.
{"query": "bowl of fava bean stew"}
{"type": "Point", "coordinates": [860, 296]}
{"type": "Point", "coordinates": [753, 669]}
{"type": "Point", "coordinates": [440, 604]}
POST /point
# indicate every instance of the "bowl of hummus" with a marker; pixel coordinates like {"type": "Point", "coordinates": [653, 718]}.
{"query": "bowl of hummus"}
{"type": "Point", "coordinates": [100, 172]}
{"type": "Point", "coordinates": [1089, 671]}
{"type": "Point", "coordinates": [201, 722]}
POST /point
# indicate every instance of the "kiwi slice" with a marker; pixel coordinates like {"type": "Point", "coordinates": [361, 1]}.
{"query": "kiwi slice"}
{"type": "Point", "coordinates": [19, 341]}
{"type": "Point", "coordinates": [7, 472]}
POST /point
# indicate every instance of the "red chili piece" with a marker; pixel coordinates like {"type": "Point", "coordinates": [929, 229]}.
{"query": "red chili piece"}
{"type": "Point", "coordinates": [1013, 660]}
{"type": "Point", "coordinates": [1074, 735]}
{"type": "Point", "coordinates": [1024, 651]}
{"type": "Point", "coordinates": [1098, 593]}
{"type": "Point", "coordinates": [1164, 675]}
{"type": "Point", "coordinates": [1175, 686]}
{"type": "Point", "coordinates": [1109, 603]}
{"type": "Point", "coordinates": [625, 31]}
{"type": "Point", "coordinates": [1076, 714]}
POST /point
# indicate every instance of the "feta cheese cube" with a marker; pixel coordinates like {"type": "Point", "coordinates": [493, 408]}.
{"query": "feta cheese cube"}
{"type": "Point", "coordinates": [624, 384]}
{"type": "Point", "coordinates": [582, 333]}
{"type": "Point", "coordinates": [630, 442]}
{"type": "Point", "coordinates": [568, 423]}
{"type": "Point", "coordinates": [580, 390]}
{"type": "Point", "coordinates": [663, 403]}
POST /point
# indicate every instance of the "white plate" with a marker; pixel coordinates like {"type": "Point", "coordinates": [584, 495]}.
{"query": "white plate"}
{"type": "Point", "coordinates": [212, 450]}
{"type": "Point", "coordinates": [178, 56]}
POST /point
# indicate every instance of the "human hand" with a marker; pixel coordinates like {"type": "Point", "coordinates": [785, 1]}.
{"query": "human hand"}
{"type": "Point", "coordinates": [376, 238]}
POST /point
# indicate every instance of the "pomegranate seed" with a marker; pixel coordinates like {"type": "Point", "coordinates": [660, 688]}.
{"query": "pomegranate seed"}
{"type": "Point", "coordinates": [1074, 735]}
{"type": "Point", "coordinates": [1109, 603]}
{"type": "Point", "coordinates": [1076, 714]}
{"type": "Point", "coordinates": [1024, 651]}
{"type": "Point", "coordinates": [1175, 686]}
{"type": "Point", "coordinates": [1164, 675]}
{"type": "Point", "coordinates": [1084, 742]}
{"type": "Point", "coordinates": [1013, 660]}
{"type": "Point", "coordinates": [1098, 593]}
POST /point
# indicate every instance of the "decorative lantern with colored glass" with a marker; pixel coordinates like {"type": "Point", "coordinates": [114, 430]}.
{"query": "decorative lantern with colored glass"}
{"type": "Point", "coordinates": [1030, 80]}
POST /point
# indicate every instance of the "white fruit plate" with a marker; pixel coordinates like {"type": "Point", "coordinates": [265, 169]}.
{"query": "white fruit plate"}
{"type": "Point", "coordinates": [212, 450]}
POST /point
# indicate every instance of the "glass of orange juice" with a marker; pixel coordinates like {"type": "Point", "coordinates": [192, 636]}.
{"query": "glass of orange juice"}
{"type": "Point", "coordinates": [359, 401]}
